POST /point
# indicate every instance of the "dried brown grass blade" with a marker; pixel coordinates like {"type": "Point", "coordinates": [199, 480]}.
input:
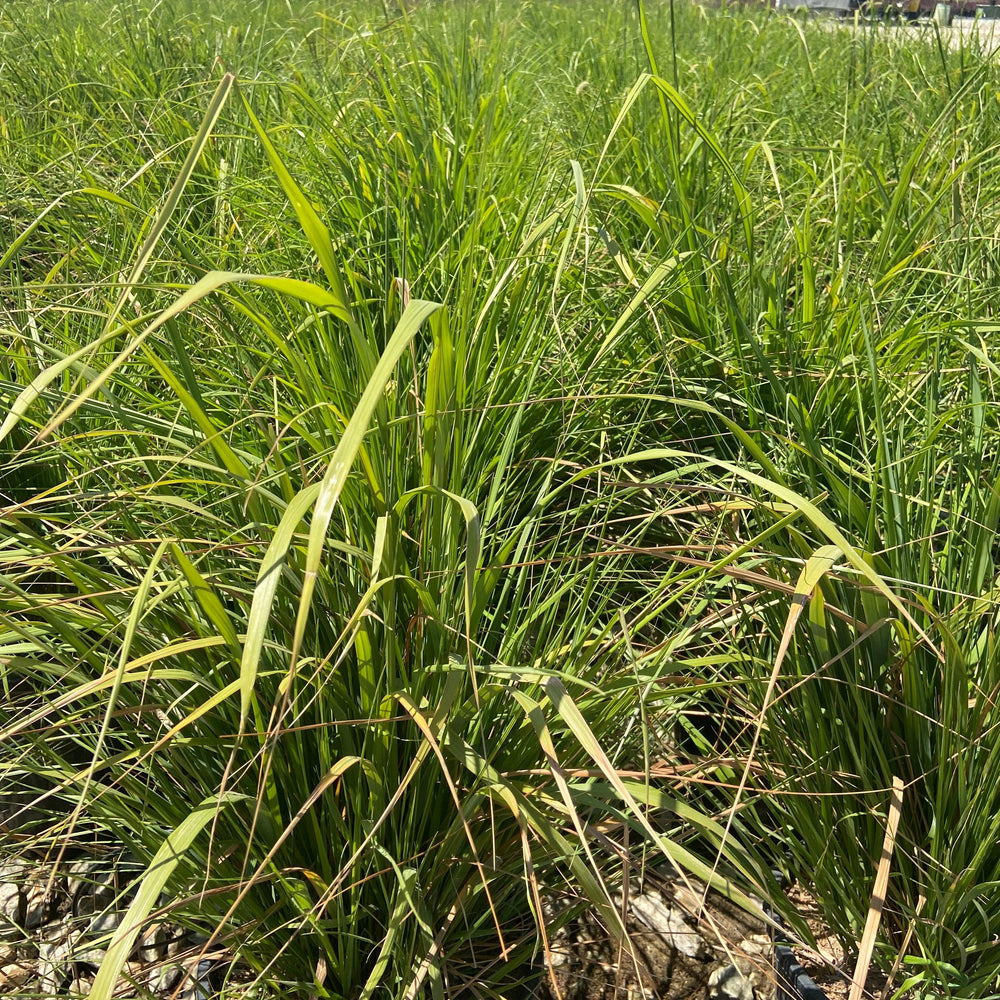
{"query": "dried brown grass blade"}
{"type": "Point", "coordinates": [867, 945]}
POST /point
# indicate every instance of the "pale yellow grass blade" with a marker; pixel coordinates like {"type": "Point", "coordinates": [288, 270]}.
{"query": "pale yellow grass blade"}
{"type": "Point", "coordinates": [867, 945]}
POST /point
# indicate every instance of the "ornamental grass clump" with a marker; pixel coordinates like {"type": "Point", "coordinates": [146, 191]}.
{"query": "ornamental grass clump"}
{"type": "Point", "coordinates": [433, 486]}
{"type": "Point", "coordinates": [320, 597]}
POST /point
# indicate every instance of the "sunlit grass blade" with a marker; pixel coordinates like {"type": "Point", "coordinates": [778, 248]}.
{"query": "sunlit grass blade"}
{"type": "Point", "coordinates": [324, 498]}
{"type": "Point", "coordinates": [162, 220]}
{"type": "Point", "coordinates": [153, 881]}
{"type": "Point", "coordinates": [312, 226]}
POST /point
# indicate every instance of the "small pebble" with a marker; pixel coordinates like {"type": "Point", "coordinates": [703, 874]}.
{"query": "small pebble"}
{"type": "Point", "coordinates": [165, 979]}
{"type": "Point", "coordinates": [14, 974]}
{"type": "Point", "coordinates": [653, 911]}
{"type": "Point", "coordinates": [81, 986]}
{"type": "Point", "coordinates": [37, 907]}
{"type": "Point", "coordinates": [728, 983]}
{"type": "Point", "coordinates": [11, 903]}
{"type": "Point", "coordinates": [755, 945]}
{"type": "Point", "coordinates": [104, 923]}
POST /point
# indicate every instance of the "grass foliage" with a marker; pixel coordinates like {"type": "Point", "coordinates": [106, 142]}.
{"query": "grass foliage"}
{"type": "Point", "coordinates": [437, 442]}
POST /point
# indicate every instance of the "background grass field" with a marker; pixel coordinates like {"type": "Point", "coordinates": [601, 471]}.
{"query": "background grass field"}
{"type": "Point", "coordinates": [452, 457]}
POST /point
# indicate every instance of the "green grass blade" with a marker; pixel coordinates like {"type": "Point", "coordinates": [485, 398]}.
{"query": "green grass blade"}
{"type": "Point", "coordinates": [158, 228]}
{"type": "Point", "coordinates": [312, 226]}
{"type": "Point", "coordinates": [153, 882]}
{"type": "Point", "coordinates": [325, 496]}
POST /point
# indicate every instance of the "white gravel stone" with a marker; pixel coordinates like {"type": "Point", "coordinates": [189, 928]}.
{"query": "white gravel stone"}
{"type": "Point", "coordinates": [651, 909]}
{"type": "Point", "coordinates": [556, 958]}
{"type": "Point", "coordinates": [165, 978]}
{"type": "Point", "coordinates": [755, 945]}
{"type": "Point", "coordinates": [81, 876]}
{"type": "Point", "coordinates": [11, 903]}
{"type": "Point", "coordinates": [92, 896]}
{"type": "Point", "coordinates": [54, 956]}
{"type": "Point", "coordinates": [55, 931]}
{"type": "Point", "coordinates": [14, 974]}
{"type": "Point", "coordinates": [728, 983]}
{"type": "Point", "coordinates": [13, 871]}
{"type": "Point", "coordinates": [153, 942]}
{"type": "Point", "coordinates": [89, 956]}
{"type": "Point", "coordinates": [104, 923]}
{"type": "Point", "coordinates": [81, 986]}
{"type": "Point", "coordinates": [198, 987]}
{"type": "Point", "coordinates": [37, 902]}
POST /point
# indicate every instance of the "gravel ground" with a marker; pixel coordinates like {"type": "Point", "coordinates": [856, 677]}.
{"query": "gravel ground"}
{"type": "Point", "coordinates": [958, 34]}
{"type": "Point", "coordinates": [963, 27]}
{"type": "Point", "coordinates": [55, 928]}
